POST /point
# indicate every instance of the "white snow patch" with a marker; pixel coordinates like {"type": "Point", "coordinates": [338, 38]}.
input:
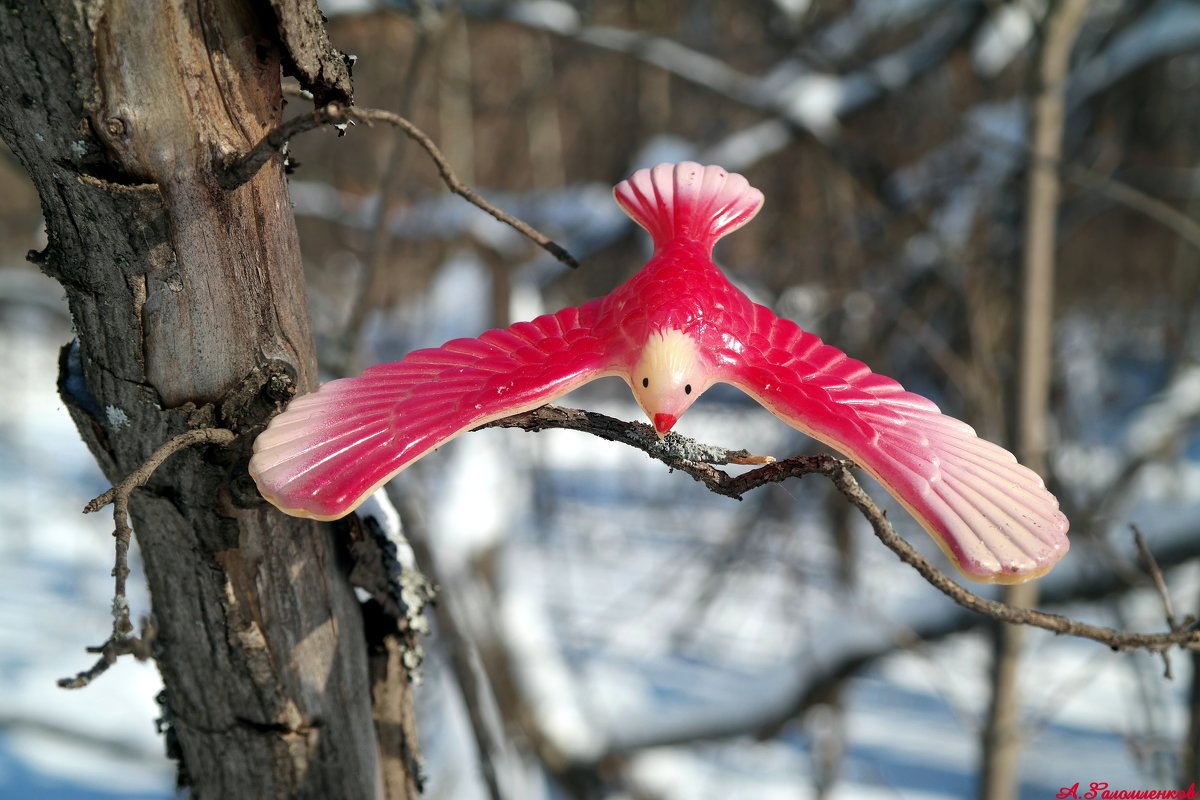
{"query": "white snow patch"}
{"type": "Point", "coordinates": [551, 15]}
{"type": "Point", "coordinates": [56, 587]}
{"type": "Point", "coordinates": [545, 678]}
{"type": "Point", "coordinates": [474, 506]}
{"type": "Point", "coordinates": [1005, 33]}
{"type": "Point", "coordinates": [1162, 421]}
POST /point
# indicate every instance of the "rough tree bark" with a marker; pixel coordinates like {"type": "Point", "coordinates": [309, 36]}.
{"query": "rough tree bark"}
{"type": "Point", "coordinates": [188, 302]}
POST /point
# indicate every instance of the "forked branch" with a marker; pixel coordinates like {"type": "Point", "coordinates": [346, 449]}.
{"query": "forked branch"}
{"type": "Point", "coordinates": [121, 642]}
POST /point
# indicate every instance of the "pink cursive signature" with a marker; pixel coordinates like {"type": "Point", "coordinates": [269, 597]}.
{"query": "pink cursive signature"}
{"type": "Point", "coordinates": [1099, 790]}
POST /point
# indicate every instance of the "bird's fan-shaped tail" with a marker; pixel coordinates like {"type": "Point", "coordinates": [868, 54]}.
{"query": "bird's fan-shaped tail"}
{"type": "Point", "coordinates": [688, 201]}
{"type": "Point", "coordinates": [993, 517]}
{"type": "Point", "coordinates": [330, 449]}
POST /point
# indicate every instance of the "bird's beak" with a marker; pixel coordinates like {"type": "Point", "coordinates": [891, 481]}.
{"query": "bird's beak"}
{"type": "Point", "coordinates": [664, 422]}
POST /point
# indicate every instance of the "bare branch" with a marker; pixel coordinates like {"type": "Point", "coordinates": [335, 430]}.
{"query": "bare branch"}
{"type": "Point", "coordinates": [1160, 585]}
{"type": "Point", "coordinates": [1055, 623]}
{"type": "Point", "coordinates": [137, 478]}
{"type": "Point", "coordinates": [1156, 575]}
{"type": "Point", "coordinates": [676, 451]}
{"type": "Point", "coordinates": [696, 459]}
{"type": "Point", "coordinates": [120, 642]}
{"type": "Point", "coordinates": [140, 647]}
{"type": "Point", "coordinates": [232, 173]}
{"type": "Point", "coordinates": [1135, 199]}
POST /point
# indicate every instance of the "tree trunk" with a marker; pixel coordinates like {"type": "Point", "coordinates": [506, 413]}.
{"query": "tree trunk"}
{"type": "Point", "coordinates": [188, 302]}
{"type": "Point", "coordinates": [1001, 741]}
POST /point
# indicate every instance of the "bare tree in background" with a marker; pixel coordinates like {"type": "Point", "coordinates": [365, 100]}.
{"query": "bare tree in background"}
{"type": "Point", "coordinates": [1001, 746]}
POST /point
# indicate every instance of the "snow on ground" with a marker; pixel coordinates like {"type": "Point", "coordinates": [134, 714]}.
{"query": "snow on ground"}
{"type": "Point", "coordinates": [55, 592]}
{"type": "Point", "coordinates": [614, 557]}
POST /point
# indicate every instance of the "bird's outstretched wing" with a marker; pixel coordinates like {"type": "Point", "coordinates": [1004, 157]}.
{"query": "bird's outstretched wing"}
{"type": "Point", "coordinates": [330, 449]}
{"type": "Point", "coordinates": [991, 516]}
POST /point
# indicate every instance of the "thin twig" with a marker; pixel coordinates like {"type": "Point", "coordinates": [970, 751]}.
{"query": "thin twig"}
{"type": "Point", "coordinates": [674, 451]}
{"type": "Point", "coordinates": [141, 475]}
{"type": "Point", "coordinates": [1055, 623]}
{"type": "Point", "coordinates": [234, 172]}
{"type": "Point", "coordinates": [140, 647]}
{"type": "Point", "coordinates": [1160, 584]}
{"type": "Point", "coordinates": [237, 171]}
{"type": "Point", "coordinates": [370, 115]}
{"type": "Point", "coordinates": [120, 642]}
{"type": "Point", "coordinates": [1135, 199]}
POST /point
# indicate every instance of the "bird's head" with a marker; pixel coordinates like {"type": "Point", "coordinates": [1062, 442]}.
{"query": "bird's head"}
{"type": "Point", "coordinates": [668, 377]}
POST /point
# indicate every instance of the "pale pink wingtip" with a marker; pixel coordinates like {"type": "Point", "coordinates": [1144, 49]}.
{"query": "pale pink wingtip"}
{"type": "Point", "coordinates": [309, 460]}
{"type": "Point", "coordinates": [992, 516]}
{"type": "Point", "coordinates": [688, 200]}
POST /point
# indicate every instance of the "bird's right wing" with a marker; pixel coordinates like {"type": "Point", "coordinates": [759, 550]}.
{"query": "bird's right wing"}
{"type": "Point", "coordinates": [993, 517]}
{"type": "Point", "coordinates": [330, 449]}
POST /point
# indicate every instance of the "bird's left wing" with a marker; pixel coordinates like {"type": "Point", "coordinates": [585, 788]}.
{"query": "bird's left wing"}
{"type": "Point", "coordinates": [330, 449]}
{"type": "Point", "coordinates": [993, 517]}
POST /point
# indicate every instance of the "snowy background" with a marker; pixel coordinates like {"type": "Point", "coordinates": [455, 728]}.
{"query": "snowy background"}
{"type": "Point", "coordinates": [638, 625]}
{"type": "Point", "coordinates": [617, 617]}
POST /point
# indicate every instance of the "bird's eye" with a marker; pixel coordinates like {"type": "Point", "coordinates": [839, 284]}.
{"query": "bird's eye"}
{"type": "Point", "coordinates": [645, 383]}
{"type": "Point", "coordinates": [687, 389]}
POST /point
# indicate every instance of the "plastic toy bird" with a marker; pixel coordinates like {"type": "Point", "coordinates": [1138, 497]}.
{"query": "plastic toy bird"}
{"type": "Point", "coordinates": [671, 331]}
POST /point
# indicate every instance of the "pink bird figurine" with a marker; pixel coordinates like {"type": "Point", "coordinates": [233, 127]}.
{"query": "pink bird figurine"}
{"type": "Point", "coordinates": [671, 331]}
